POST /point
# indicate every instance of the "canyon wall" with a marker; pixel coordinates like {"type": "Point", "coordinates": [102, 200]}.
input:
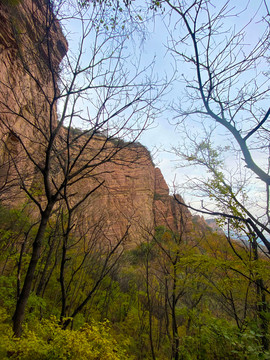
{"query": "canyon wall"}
{"type": "Point", "coordinates": [132, 195]}
{"type": "Point", "coordinates": [29, 65]}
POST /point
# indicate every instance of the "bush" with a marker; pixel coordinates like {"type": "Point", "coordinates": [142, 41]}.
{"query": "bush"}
{"type": "Point", "coordinates": [48, 341]}
{"type": "Point", "coordinates": [219, 340]}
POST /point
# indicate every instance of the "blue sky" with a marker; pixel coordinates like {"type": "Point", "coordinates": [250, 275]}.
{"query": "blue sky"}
{"type": "Point", "coordinates": [162, 135]}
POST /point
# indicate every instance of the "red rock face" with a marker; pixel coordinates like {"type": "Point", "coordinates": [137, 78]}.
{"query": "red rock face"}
{"type": "Point", "coordinates": [161, 188]}
{"type": "Point", "coordinates": [25, 115]}
{"type": "Point", "coordinates": [125, 200]}
{"type": "Point", "coordinates": [167, 211]}
{"type": "Point", "coordinates": [133, 195]}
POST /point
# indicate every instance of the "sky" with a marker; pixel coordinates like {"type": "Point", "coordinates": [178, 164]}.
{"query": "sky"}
{"type": "Point", "coordinates": [162, 134]}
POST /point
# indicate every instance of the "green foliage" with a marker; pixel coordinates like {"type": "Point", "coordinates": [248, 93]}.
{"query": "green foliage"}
{"type": "Point", "coordinates": [204, 154]}
{"type": "Point", "coordinates": [202, 270]}
{"type": "Point", "coordinates": [11, 2]}
{"type": "Point", "coordinates": [115, 14]}
{"type": "Point", "coordinates": [35, 304]}
{"type": "Point", "coordinates": [216, 339]}
{"type": "Point", "coordinates": [15, 229]}
{"type": "Point", "coordinates": [7, 292]}
{"type": "Point", "coordinates": [13, 223]}
{"type": "Point", "coordinates": [163, 234]}
{"type": "Point", "coordinates": [159, 197]}
{"type": "Point", "coordinates": [143, 251]}
{"type": "Point", "coordinates": [47, 340]}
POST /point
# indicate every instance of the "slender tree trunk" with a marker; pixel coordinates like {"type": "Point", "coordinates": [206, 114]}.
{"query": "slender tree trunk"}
{"type": "Point", "coordinates": [49, 275]}
{"type": "Point", "coordinates": [62, 280]}
{"type": "Point", "coordinates": [166, 303]}
{"type": "Point", "coordinates": [19, 270]}
{"type": "Point", "coordinates": [262, 310]}
{"type": "Point", "coordinates": [261, 305]}
{"type": "Point", "coordinates": [44, 274]}
{"type": "Point", "coordinates": [66, 234]}
{"type": "Point", "coordinates": [175, 344]}
{"type": "Point", "coordinates": [82, 305]}
{"type": "Point", "coordinates": [150, 309]}
{"type": "Point", "coordinates": [18, 316]}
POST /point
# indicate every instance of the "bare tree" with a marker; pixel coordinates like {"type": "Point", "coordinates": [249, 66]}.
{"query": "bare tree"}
{"type": "Point", "coordinates": [227, 92]}
{"type": "Point", "coordinates": [227, 88]}
{"type": "Point", "coordinates": [96, 255]}
{"type": "Point", "coordinates": [96, 88]}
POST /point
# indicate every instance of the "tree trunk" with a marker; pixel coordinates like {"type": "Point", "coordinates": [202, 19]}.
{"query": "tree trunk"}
{"type": "Point", "coordinates": [44, 274]}
{"type": "Point", "coordinates": [20, 266]}
{"type": "Point", "coordinates": [261, 303]}
{"type": "Point", "coordinates": [62, 280]}
{"type": "Point", "coordinates": [18, 316]}
{"type": "Point", "coordinates": [175, 344]}
{"type": "Point", "coordinates": [262, 313]}
{"type": "Point", "coordinates": [150, 309]}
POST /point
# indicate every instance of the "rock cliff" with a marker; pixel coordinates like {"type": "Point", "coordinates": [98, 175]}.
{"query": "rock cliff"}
{"type": "Point", "coordinates": [29, 64]}
{"type": "Point", "coordinates": [133, 194]}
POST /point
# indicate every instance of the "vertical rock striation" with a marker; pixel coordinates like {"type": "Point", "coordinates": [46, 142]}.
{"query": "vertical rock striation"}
{"type": "Point", "coordinates": [167, 211]}
{"type": "Point", "coordinates": [30, 56]}
{"type": "Point", "coordinates": [133, 194]}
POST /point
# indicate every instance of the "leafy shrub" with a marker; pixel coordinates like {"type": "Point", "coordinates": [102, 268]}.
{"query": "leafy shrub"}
{"type": "Point", "coordinates": [8, 292]}
{"type": "Point", "coordinates": [48, 341]}
{"type": "Point", "coordinates": [219, 340]}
